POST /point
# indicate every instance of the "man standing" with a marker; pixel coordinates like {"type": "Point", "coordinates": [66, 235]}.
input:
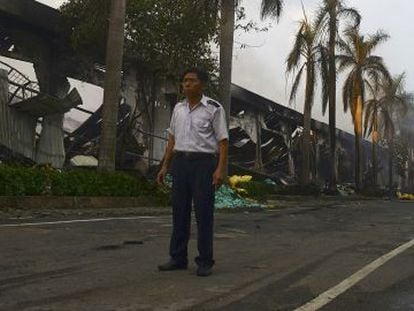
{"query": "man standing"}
{"type": "Point", "coordinates": [198, 148]}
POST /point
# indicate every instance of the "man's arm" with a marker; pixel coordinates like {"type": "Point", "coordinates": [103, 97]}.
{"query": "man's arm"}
{"type": "Point", "coordinates": [218, 176]}
{"type": "Point", "coordinates": [167, 159]}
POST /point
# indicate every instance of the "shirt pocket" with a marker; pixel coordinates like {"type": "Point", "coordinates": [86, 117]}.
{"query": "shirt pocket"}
{"type": "Point", "coordinates": [203, 126]}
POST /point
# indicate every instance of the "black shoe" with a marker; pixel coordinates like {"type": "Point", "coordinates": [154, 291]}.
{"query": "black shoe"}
{"type": "Point", "coordinates": [172, 265]}
{"type": "Point", "coordinates": [204, 271]}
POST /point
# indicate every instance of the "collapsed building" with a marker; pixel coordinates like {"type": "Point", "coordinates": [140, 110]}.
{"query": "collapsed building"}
{"type": "Point", "coordinates": [32, 112]}
{"type": "Point", "coordinates": [265, 137]}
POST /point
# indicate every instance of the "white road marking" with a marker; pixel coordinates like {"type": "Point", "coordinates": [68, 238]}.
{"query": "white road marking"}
{"type": "Point", "coordinates": [346, 284]}
{"type": "Point", "coordinates": [74, 221]}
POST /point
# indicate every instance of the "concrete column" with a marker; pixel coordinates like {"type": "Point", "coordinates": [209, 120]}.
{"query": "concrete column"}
{"type": "Point", "coordinates": [17, 129]}
{"type": "Point", "coordinates": [50, 148]}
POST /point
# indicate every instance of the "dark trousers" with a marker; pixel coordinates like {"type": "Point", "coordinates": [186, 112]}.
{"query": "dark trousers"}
{"type": "Point", "coordinates": [192, 182]}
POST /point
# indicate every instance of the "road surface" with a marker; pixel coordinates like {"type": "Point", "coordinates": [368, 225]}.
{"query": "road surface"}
{"type": "Point", "coordinates": [311, 255]}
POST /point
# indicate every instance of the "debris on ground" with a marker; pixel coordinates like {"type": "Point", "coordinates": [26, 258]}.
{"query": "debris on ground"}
{"type": "Point", "coordinates": [237, 179]}
{"type": "Point", "coordinates": [346, 189]}
{"type": "Point", "coordinates": [226, 197]}
{"type": "Point", "coordinates": [268, 181]}
{"type": "Point", "coordinates": [405, 196]}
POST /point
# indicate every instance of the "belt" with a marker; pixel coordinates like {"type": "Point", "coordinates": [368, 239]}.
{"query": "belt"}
{"type": "Point", "coordinates": [194, 155]}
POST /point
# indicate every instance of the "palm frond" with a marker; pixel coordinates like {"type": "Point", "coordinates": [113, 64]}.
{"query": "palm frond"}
{"type": "Point", "coordinates": [296, 83]}
{"type": "Point", "coordinates": [344, 47]}
{"type": "Point", "coordinates": [344, 62]}
{"type": "Point", "coordinates": [294, 55]}
{"type": "Point", "coordinates": [271, 8]}
{"type": "Point", "coordinates": [368, 118]}
{"type": "Point", "coordinates": [347, 91]}
{"type": "Point", "coordinates": [350, 13]}
{"type": "Point", "coordinates": [321, 17]}
{"type": "Point", "coordinates": [376, 39]}
{"type": "Point", "coordinates": [373, 88]}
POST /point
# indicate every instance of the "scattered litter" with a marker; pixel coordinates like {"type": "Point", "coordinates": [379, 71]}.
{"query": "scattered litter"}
{"type": "Point", "coordinates": [82, 160]}
{"type": "Point", "coordinates": [268, 181]}
{"type": "Point", "coordinates": [235, 179]}
{"type": "Point", "coordinates": [405, 196]}
{"type": "Point", "coordinates": [346, 189]}
{"type": "Point", "coordinates": [226, 197]}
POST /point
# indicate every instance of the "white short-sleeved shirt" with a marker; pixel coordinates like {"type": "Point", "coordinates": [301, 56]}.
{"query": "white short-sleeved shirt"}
{"type": "Point", "coordinates": [199, 129]}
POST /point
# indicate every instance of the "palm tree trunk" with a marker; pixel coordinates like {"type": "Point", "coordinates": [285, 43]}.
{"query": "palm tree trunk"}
{"type": "Point", "coordinates": [259, 158]}
{"type": "Point", "coordinates": [317, 158]}
{"type": "Point", "coordinates": [332, 96]}
{"type": "Point", "coordinates": [390, 166]}
{"type": "Point", "coordinates": [410, 169]}
{"type": "Point", "coordinates": [307, 126]}
{"type": "Point", "coordinates": [226, 54]}
{"type": "Point", "coordinates": [358, 142]}
{"type": "Point", "coordinates": [374, 151]}
{"type": "Point", "coordinates": [287, 136]}
{"type": "Point", "coordinates": [114, 53]}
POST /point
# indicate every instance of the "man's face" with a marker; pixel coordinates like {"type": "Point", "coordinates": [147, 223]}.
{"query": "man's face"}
{"type": "Point", "coordinates": [192, 85]}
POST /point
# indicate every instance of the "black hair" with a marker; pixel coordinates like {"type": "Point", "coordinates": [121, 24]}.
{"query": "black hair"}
{"type": "Point", "coordinates": [202, 75]}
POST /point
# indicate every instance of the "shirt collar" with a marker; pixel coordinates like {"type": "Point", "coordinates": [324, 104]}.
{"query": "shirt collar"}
{"type": "Point", "coordinates": [203, 101]}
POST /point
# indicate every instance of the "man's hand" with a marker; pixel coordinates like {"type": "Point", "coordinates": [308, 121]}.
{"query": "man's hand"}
{"type": "Point", "coordinates": [161, 175]}
{"type": "Point", "coordinates": [166, 160]}
{"type": "Point", "coordinates": [218, 178]}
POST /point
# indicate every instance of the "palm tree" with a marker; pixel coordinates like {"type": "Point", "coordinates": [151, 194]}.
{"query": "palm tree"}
{"type": "Point", "coordinates": [328, 17]}
{"type": "Point", "coordinates": [304, 57]}
{"type": "Point", "coordinates": [114, 53]}
{"type": "Point", "coordinates": [394, 103]}
{"type": "Point", "coordinates": [374, 114]}
{"type": "Point", "coordinates": [357, 58]}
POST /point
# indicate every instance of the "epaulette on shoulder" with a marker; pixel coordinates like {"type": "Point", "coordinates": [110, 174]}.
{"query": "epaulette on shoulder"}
{"type": "Point", "coordinates": [214, 103]}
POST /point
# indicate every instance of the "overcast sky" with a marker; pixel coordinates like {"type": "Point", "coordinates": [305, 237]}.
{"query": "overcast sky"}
{"type": "Point", "coordinates": [261, 67]}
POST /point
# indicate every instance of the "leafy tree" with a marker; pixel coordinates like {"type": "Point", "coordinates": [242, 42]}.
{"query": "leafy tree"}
{"type": "Point", "coordinates": [162, 38]}
{"type": "Point", "coordinates": [88, 23]}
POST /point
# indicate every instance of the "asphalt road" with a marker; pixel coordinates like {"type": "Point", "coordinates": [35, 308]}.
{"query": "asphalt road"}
{"type": "Point", "coordinates": [318, 255]}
